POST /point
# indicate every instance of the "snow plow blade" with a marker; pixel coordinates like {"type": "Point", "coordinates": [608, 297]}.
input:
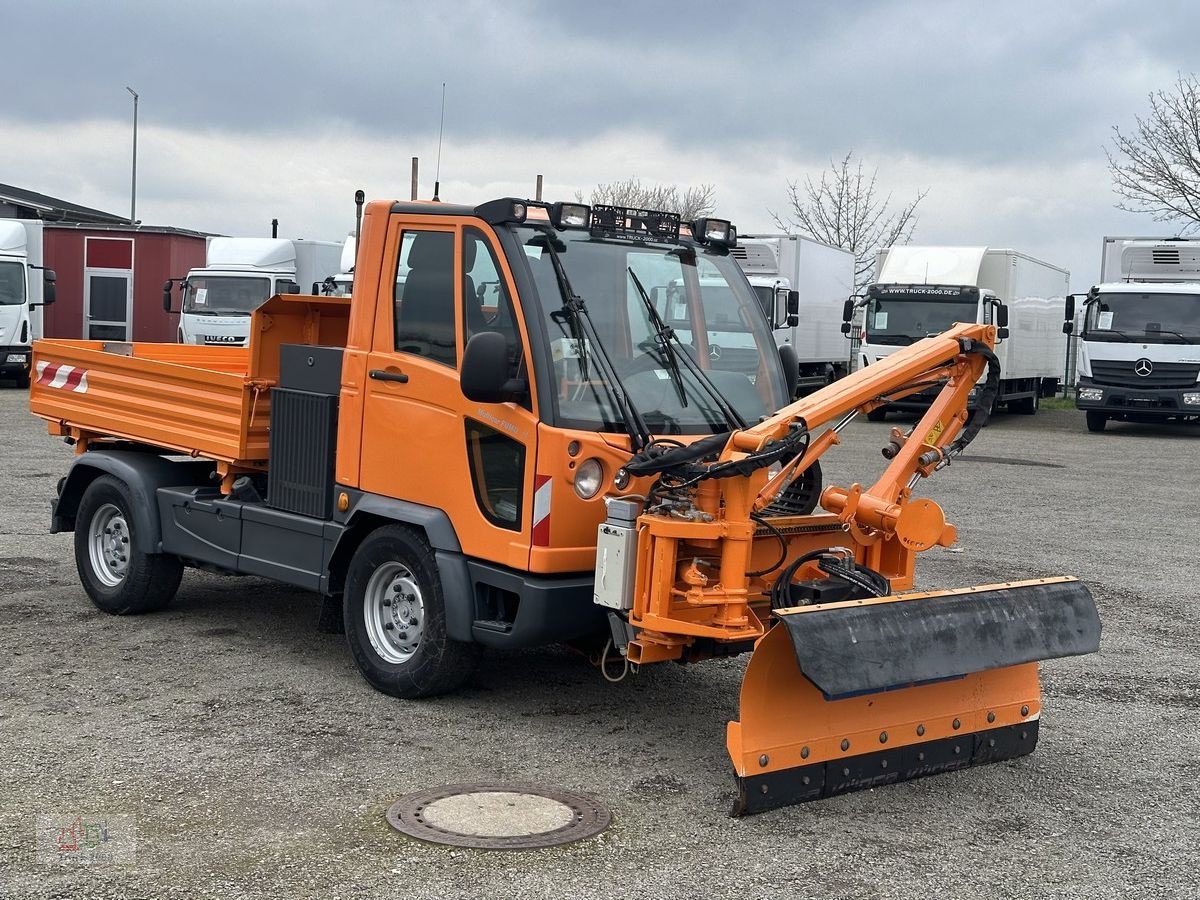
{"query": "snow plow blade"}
{"type": "Point", "coordinates": [848, 696]}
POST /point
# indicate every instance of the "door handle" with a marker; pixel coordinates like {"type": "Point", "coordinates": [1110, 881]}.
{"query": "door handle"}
{"type": "Point", "coordinates": [388, 375]}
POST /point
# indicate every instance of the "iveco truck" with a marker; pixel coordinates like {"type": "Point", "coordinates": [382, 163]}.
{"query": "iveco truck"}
{"type": "Point", "coordinates": [921, 291]}
{"type": "Point", "coordinates": [238, 277]}
{"type": "Point", "coordinates": [25, 286]}
{"type": "Point", "coordinates": [822, 277]}
{"type": "Point", "coordinates": [1139, 357]}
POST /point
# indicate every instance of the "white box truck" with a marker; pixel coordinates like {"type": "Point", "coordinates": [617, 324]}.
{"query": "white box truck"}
{"type": "Point", "coordinates": [238, 276]}
{"type": "Point", "coordinates": [25, 287]}
{"type": "Point", "coordinates": [1139, 356]}
{"type": "Point", "coordinates": [823, 277]}
{"type": "Point", "coordinates": [921, 291]}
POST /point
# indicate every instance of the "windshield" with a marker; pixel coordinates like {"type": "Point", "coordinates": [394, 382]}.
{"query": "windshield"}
{"type": "Point", "coordinates": [702, 295]}
{"type": "Point", "coordinates": [12, 283]}
{"type": "Point", "coordinates": [225, 295]}
{"type": "Point", "coordinates": [905, 319]}
{"type": "Point", "coordinates": [1150, 318]}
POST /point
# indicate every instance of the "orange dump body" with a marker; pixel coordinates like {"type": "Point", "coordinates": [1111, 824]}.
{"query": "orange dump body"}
{"type": "Point", "coordinates": [211, 402]}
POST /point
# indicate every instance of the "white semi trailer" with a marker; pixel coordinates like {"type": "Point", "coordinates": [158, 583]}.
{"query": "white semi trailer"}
{"type": "Point", "coordinates": [921, 291]}
{"type": "Point", "coordinates": [25, 287]}
{"type": "Point", "coordinates": [1139, 356]}
{"type": "Point", "coordinates": [822, 277]}
{"type": "Point", "coordinates": [238, 276]}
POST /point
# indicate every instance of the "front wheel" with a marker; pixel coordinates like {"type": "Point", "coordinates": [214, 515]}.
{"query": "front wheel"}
{"type": "Point", "coordinates": [118, 577]}
{"type": "Point", "coordinates": [1096, 420]}
{"type": "Point", "coordinates": [395, 618]}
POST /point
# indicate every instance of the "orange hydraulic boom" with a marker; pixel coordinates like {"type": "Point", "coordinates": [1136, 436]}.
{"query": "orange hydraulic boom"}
{"type": "Point", "coordinates": [873, 686]}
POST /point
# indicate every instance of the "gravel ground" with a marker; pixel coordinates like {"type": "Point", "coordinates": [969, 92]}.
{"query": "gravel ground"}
{"type": "Point", "coordinates": [256, 762]}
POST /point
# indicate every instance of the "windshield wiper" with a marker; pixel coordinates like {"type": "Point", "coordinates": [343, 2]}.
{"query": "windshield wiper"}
{"type": "Point", "coordinates": [663, 332]}
{"type": "Point", "coordinates": [574, 313]}
{"type": "Point", "coordinates": [666, 334]}
{"type": "Point", "coordinates": [1094, 335]}
{"type": "Point", "coordinates": [1186, 340]}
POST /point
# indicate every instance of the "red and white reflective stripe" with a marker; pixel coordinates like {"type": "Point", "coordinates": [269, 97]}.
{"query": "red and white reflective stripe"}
{"type": "Point", "coordinates": [541, 510]}
{"type": "Point", "coordinates": [67, 378]}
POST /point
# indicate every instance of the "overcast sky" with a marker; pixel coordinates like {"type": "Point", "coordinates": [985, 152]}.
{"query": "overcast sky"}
{"type": "Point", "coordinates": [255, 110]}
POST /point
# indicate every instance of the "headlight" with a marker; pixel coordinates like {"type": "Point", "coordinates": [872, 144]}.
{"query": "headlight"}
{"type": "Point", "coordinates": [1091, 394]}
{"type": "Point", "coordinates": [1191, 399]}
{"type": "Point", "coordinates": [588, 478]}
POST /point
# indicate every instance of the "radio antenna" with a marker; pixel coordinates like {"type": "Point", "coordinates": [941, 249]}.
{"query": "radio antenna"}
{"type": "Point", "coordinates": [441, 126]}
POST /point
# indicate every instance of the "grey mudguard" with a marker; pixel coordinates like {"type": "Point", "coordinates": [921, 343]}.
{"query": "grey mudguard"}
{"type": "Point", "coordinates": [143, 472]}
{"type": "Point", "coordinates": [854, 649]}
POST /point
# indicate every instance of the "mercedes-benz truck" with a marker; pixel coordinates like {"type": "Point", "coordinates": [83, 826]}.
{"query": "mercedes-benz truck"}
{"type": "Point", "coordinates": [1139, 357]}
{"type": "Point", "coordinates": [25, 287]}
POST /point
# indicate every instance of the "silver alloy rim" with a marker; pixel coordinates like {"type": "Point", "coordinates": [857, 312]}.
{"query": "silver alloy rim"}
{"type": "Point", "coordinates": [108, 545]}
{"type": "Point", "coordinates": [394, 612]}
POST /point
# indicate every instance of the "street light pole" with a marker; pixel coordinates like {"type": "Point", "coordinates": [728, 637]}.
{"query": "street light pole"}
{"type": "Point", "coordinates": [133, 186]}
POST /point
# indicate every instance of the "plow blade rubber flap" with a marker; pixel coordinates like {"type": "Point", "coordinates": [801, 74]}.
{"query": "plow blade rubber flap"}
{"type": "Point", "coordinates": [882, 713]}
{"type": "Point", "coordinates": [850, 648]}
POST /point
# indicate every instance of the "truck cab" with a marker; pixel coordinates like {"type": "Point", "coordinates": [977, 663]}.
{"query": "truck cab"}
{"type": "Point", "coordinates": [922, 291]}
{"type": "Point", "coordinates": [239, 275]}
{"type": "Point", "coordinates": [25, 286]}
{"type": "Point", "coordinates": [1139, 357]}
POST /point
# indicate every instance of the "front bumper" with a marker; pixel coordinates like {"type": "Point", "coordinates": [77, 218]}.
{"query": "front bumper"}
{"type": "Point", "coordinates": [14, 360]}
{"type": "Point", "coordinates": [1137, 403]}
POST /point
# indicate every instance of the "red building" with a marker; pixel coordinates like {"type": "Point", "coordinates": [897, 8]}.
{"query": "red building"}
{"type": "Point", "coordinates": [110, 272]}
{"type": "Point", "coordinates": [110, 279]}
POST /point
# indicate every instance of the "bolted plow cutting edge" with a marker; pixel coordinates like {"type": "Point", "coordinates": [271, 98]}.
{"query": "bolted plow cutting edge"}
{"type": "Point", "coordinates": [846, 696]}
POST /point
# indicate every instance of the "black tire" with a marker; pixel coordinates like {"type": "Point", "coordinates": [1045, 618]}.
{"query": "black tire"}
{"type": "Point", "coordinates": [878, 414]}
{"type": "Point", "coordinates": [799, 498]}
{"type": "Point", "coordinates": [393, 581]}
{"type": "Point", "coordinates": [119, 578]}
{"type": "Point", "coordinates": [1096, 421]}
{"type": "Point", "coordinates": [23, 381]}
{"type": "Point", "coordinates": [1026, 406]}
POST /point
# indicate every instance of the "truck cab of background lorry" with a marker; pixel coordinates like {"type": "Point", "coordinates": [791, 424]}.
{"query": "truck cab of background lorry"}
{"type": "Point", "coordinates": [801, 284]}
{"type": "Point", "coordinates": [239, 275]}
{"type": "Point", "coordinates": [921, 291]}
{"type": "Point", "coordinates": [25, 286]}
{"type": "Point", "coordinates": [1139, 357]}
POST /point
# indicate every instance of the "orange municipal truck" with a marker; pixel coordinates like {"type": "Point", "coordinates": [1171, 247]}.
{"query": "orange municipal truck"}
{"type": "Point", "coordinates": [538, 423]}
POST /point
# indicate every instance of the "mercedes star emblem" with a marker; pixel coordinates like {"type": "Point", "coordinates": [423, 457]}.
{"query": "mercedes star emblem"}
{"type": "Point", "coordinates": [1143, 367]}
{"type": "Point", "coordinates": [714, 352]}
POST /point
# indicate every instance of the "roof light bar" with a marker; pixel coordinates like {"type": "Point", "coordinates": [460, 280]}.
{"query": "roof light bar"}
{"type": "Point", "coordinates": [570, 215]}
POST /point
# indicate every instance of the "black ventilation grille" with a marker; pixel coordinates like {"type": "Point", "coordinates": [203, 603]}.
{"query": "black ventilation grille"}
{"type": "Point", "coordinates": [303, 439]}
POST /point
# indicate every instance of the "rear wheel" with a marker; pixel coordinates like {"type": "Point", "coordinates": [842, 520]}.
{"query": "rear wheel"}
{"type": "Point", "coordinates": [118, 577]}
{"type": "Point", "coordinates": [395, 618]}
{"type": "Point", "coordinates": [1096, 420]}
{"type": "Point", "coordinates": [1026, 406]}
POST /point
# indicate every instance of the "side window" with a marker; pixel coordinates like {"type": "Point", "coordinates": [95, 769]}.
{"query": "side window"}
{"type": "Point", "coordinates": [497, 474]}
{"type": "Point", "coordinates": [487, 305]}
{"type": "Point", "coordinates": [425, 296]}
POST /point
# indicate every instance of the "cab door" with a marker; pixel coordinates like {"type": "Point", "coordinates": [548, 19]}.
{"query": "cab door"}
{"type": "Point", "coordinates": [422, 441]}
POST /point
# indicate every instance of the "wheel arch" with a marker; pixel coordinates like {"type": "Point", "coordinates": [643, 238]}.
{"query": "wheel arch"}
{"type": "Point", "coordinates": [370, 512]}
{"type": "Point", "coordinates": [143, 473]}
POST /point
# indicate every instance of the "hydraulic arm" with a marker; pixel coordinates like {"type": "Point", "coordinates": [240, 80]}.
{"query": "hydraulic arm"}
{"type": "Point", "coordinates": [842, 653]}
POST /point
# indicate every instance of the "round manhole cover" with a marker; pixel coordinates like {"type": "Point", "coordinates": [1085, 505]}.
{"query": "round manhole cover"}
{"type": "Point", "coordinates": [498, 816]}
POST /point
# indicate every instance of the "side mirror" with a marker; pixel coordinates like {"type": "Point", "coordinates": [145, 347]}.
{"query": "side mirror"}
{"type": "Point", "coordinates": [288, 287]}
{"type": "Point", "coordinates": [484, 373]}
{"type": "Point", "coordinates": [846, 329]}
{"type": "Point", "coordinates": [1069, 313]}
{"type": "Point", "coordinates": [49, 287]}
{"type": "Point", "coordinates": [793, 309]}
{"type": "Point", "coordinates": [1001, 321]}
{"type": "Point", "coordinates": [847, 313]}
{"type": "Point", "coordinates": [791, 367]}
{"type": "Point", "coordinates": [167, 296]}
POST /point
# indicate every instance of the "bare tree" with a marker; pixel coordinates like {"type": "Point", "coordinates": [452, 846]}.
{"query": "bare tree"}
{"type": "Point", "coordinates": [691, 203]}
{"type": "Point", "coordinates": [845, 208]}
{"type": "Point", "coordinates": [1156, 167]}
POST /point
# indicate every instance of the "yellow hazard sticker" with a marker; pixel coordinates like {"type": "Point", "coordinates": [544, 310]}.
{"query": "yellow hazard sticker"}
{"type": "Point", "coordinates": [935, 432]}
